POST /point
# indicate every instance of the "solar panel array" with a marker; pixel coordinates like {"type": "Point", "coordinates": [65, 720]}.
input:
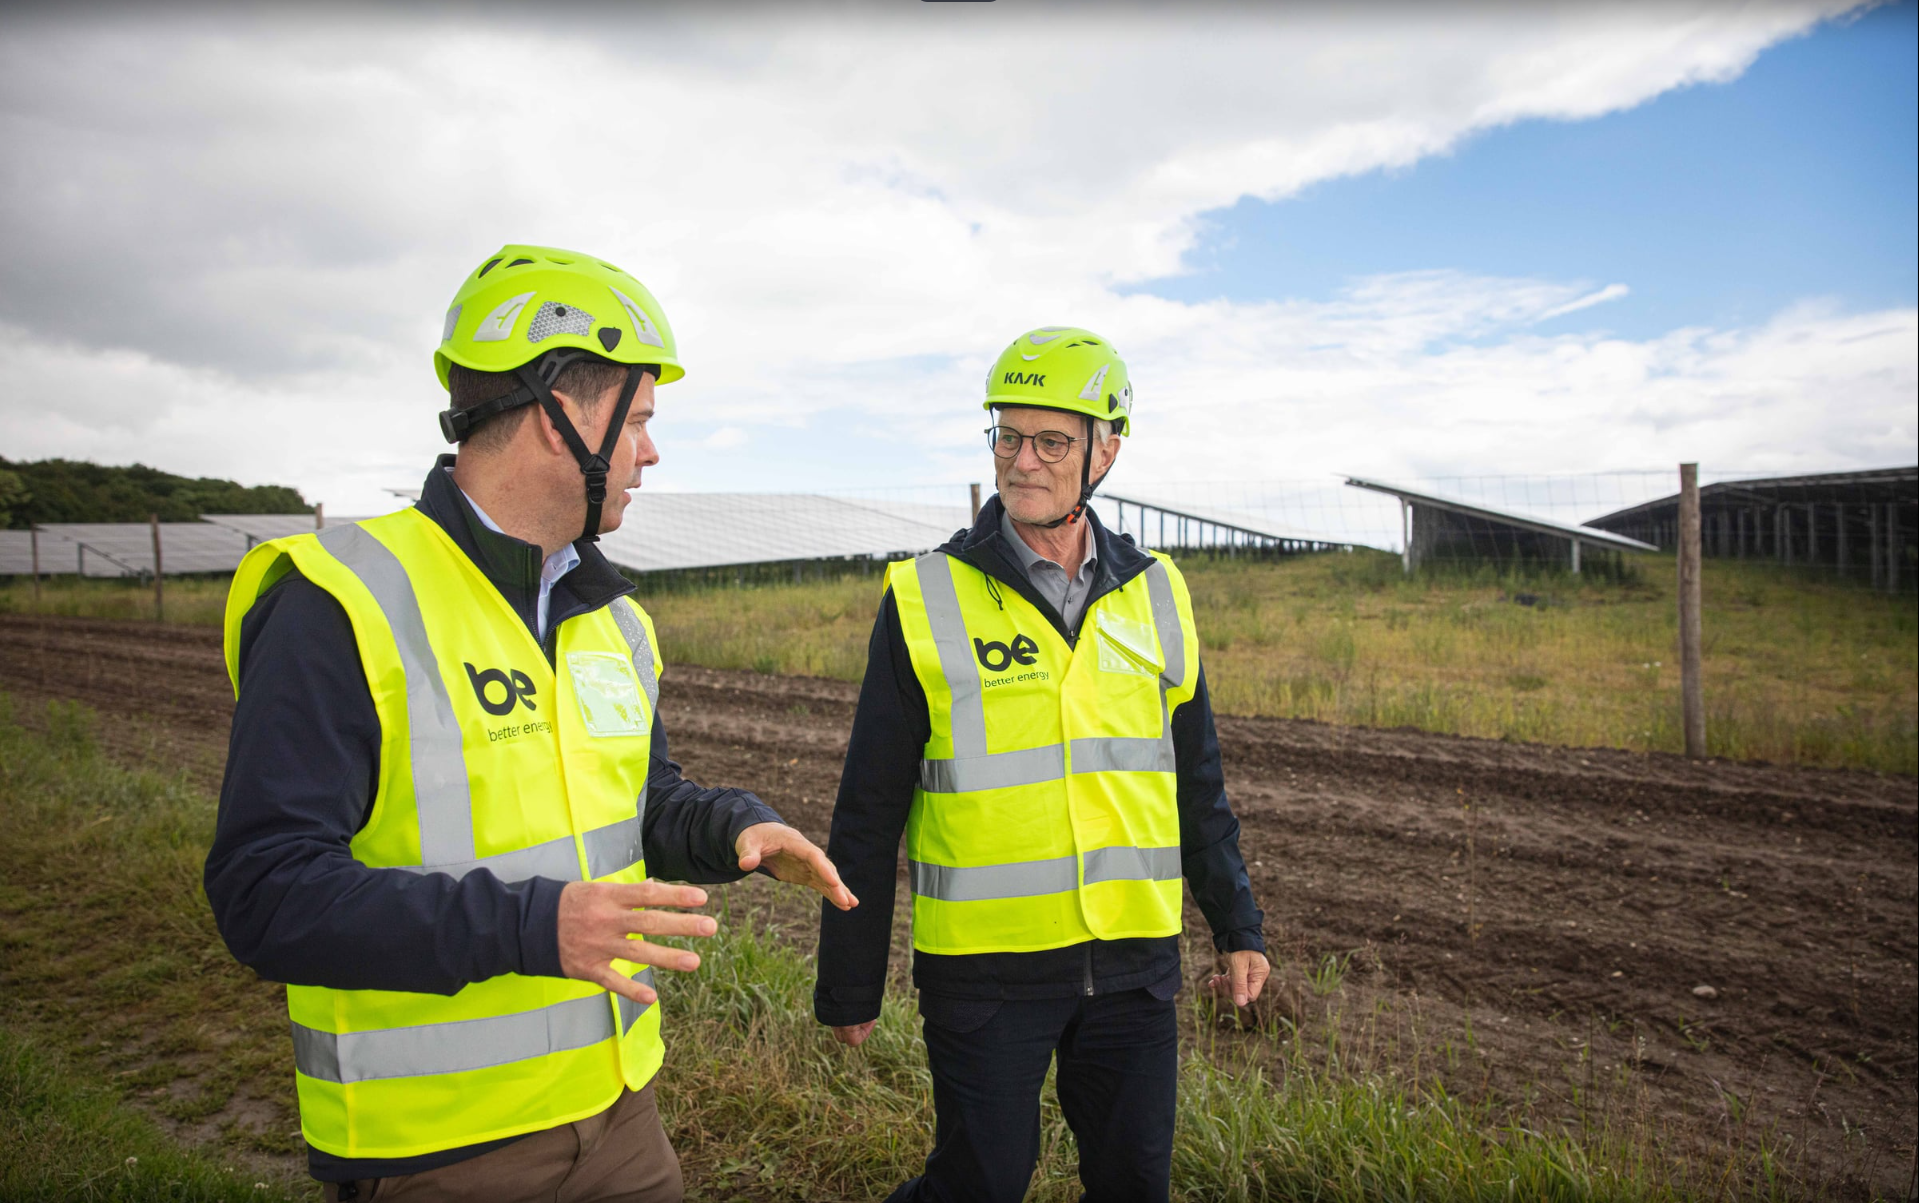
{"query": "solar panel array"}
{"type": "Point", "coordinates": [664, 531]}
{"type": "Point", "coordinates": [661, 531]}
{"type": "Point", "coordinates": [262, 527]}
{"type": "Point", "coordinates": [16, 552]}
{"type": "Point", "coordinates": [105, 549]}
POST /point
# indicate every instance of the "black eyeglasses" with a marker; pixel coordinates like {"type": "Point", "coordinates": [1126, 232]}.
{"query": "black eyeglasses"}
{"type": "Point", "coordinates": [1050, 445]}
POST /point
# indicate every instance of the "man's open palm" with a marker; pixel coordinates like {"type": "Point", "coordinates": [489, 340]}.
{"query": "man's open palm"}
{"type": "Point", "coordinates": [790, 856]}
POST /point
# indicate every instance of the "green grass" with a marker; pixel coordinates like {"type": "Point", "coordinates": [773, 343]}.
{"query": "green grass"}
{"type": "Point", "coordinates": [65, 1138]}
{"type": "Point", "coordinates": [114, 989]}
{"type": "Point", "coordinates": [193, 600]}
{"type": "Point", "coordinates": [108, 951]}
{"type": "Point", "coordinates": [1797, 669]}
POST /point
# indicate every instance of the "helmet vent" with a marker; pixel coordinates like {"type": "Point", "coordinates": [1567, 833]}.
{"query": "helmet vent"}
{"type": "Point", "coordinates": [518, 262]}
{"type": "Point", "coordinates": [490, 265]}
{"type": "Point", "coordinates": [554, 318]}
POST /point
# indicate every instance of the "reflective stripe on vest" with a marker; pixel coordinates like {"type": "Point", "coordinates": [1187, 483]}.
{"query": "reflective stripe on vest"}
{"type": "Point", "coordinates": [972, 767]}
{"type": "Point", "coordinates": [1056, 875]}
{"type": "Point", "coordinates": [463, 1045]}
{"type": "Point", "coordinates": [439, 766]}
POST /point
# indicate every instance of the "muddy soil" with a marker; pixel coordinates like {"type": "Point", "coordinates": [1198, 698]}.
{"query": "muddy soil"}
{"type": "Point", "coordinates": [1548, 916]}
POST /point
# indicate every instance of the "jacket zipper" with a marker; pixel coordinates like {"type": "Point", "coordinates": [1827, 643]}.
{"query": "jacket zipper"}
{"type": "Point", "coordinates": [1086, 983]}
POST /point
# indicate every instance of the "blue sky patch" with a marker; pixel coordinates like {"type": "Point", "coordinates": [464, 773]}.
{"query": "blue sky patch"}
{"type": "Point", "coordinates": [1716, 205]}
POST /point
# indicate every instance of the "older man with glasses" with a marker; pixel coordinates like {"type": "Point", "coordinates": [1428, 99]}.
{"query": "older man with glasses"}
{"type": "Point", "coordinates": [1035, 720]}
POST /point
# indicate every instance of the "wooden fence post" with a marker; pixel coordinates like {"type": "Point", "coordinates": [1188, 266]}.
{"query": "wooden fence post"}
{"type": "Point", "coordinates": [1872, 540]}
{"type": "Point", "coordinates": [1839, 533]}
{"type": "Point", "coordinates": [976, 501]}
{"type": "Point", "coordinates": [33, 537]}
{"type": "Point", "coordinates": [159, 594]}
{"type": "Point", "coordinates": [1692, 694]}
{"type": "Point", "coordinates": [319, 515]}
{"type": "Point", "coordinates": [1893, 547]}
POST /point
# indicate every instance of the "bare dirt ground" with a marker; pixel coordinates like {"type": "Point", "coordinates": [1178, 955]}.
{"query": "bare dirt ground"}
{"type": "Point", "coordinates": [1549, 911]}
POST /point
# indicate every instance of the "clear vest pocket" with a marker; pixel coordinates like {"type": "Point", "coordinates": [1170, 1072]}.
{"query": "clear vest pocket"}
{"type": "Point", "coordinates": [1126, 646]}
{"type": "Point", "coordinates": [609, 695]}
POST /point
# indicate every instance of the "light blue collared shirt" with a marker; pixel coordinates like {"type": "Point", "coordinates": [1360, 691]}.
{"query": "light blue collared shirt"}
{"type": "Point", "coordinates": [556, 566]}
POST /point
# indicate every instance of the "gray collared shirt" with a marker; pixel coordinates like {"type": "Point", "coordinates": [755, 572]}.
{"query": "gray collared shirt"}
{"type": "Point", "coordinates": [1067, 594]}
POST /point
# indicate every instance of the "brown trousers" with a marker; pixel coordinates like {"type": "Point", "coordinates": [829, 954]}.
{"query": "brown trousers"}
{"type": "Point", "coordinates": [620, 1155]}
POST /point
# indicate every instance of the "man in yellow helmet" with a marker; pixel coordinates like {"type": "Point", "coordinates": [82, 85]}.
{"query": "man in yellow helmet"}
{"type": "Point", "coordinates": [448, 792]}
{"type": "Point", "coordinates": [1035, 720]}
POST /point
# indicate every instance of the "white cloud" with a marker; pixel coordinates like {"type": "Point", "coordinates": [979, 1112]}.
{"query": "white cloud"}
{"type": "Point", "coordinates": [230, 238]}
{"type": "Point", "coordinates": [1612, 292]}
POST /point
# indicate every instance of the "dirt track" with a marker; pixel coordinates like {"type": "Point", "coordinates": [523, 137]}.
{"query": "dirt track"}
{"type": "Point", "coordinates": [1602, 886]}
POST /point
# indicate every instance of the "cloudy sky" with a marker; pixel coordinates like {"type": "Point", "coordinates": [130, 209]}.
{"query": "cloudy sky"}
{"type": "Point", "coordinates": [1406, 241]}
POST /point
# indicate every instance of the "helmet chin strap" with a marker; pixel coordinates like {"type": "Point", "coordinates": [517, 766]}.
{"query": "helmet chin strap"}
{"type": "Point", "coordinates": [1085, 487]}
{"type": "Point", "coordinates": [593, 466]}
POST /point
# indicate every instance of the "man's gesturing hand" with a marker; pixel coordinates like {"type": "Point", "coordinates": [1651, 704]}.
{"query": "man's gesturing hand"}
{"type": "Point", "coordinates": [597, 919]}
{"type": "Point", "coordinates": [792, 857]}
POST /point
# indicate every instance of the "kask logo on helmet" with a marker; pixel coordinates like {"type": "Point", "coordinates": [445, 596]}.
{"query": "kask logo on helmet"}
{"type": "Point", "coordinates": [1036, 379]}
{"type": "Point", "coordinates": [514, 684]}
{"type": "Point", "coordinates": [998, 657]}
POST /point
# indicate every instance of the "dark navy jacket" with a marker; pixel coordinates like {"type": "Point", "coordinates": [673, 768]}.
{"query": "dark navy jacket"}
{"type": "Point", "coordinates": [304, 760]}
{"type": "Point", "coordinates": [890, 729]}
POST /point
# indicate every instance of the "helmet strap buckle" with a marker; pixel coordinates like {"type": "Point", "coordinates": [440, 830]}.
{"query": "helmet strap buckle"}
{"type": "Point", "coordinates": [595, 471]}
{"type": "Point", "coordinates": [594, 466]}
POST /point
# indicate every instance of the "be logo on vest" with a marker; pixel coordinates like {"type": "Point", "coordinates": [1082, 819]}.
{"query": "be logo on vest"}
{"type": "Point", "coordinates": [518, 687]}
{"type": "Point", "coordinates": [997, 657]}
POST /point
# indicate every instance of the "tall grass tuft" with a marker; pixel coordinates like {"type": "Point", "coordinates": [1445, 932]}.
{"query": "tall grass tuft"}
{"type": "Point", "coordinates": [761, 1101]}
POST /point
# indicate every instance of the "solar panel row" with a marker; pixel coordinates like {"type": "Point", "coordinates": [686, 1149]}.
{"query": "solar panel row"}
{"type": "Point", "coordinates": [661, 531]}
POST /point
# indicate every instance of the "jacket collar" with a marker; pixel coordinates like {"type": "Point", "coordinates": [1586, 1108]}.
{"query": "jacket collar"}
{"type": "Point", "coordinates": [512, 565]}
{"type": "Point", "coordinates": [984, 547]}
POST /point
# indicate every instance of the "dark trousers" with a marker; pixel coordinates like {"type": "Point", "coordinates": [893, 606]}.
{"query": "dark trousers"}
{"type": "Point", "coordinates": [1118, 1066]}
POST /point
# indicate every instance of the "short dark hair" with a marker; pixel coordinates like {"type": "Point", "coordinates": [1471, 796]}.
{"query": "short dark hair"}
{"type": "Point", "coordinates": [586, 381]}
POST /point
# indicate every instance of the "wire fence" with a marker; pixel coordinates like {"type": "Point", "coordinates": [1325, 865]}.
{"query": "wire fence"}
{"type": "Point", "coordinates": [1860, 526]}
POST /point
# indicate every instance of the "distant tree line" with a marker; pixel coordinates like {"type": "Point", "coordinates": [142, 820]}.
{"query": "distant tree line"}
{"type": "Point", "coordinates": [64, 490]}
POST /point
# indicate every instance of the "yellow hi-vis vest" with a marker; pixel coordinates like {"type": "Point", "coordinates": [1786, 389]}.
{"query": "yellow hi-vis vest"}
{"type": "Point", "coordinates": [1047, 810]}
{"type": "Point", "coordinates": [489, 759]}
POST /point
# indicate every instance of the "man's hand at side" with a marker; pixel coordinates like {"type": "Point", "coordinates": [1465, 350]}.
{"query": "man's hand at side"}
{"type": "Point", "coordinates": [1245, 976]}
{"type": "Point", "coordinates": [855, 1034]}
{"type": "Point", "coordinates": [790, 856]}
{"type": "Point", "coordinates": [598, 919]}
